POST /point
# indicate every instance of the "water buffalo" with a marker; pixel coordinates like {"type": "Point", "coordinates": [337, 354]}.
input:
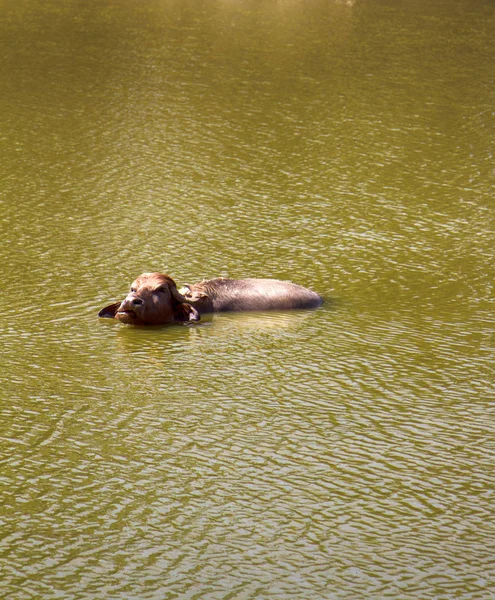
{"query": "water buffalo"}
{"type": "Point", "coordinates": [155, 300]}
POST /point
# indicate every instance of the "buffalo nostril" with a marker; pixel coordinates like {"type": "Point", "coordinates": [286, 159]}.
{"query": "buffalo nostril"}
{"type": "Point", "coordinates": [137, 301]}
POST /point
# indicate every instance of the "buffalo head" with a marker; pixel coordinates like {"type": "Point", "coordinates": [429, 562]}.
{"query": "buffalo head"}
{"type": "Point", "coordinates": [152, 300]}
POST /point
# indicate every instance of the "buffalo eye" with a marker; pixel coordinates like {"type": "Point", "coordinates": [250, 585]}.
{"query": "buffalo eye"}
{"type": "Point", "coordinates": [133, 290]}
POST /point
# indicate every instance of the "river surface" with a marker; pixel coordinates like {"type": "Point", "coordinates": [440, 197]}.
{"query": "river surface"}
{"type": "Point", "coordinates": [341, 453]}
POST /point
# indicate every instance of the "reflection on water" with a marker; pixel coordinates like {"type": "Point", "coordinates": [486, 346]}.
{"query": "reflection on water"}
{"type": "Point", "coordinates": [342, 452]}
{"type": "Point", "coordinates": [219, 326]}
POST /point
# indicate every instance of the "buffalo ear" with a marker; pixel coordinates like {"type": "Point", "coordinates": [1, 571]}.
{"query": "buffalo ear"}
{"type": "Point", "coordinates": [192, 295]}
{"type": "Point", "coordinates": [186, 312]}
{"type": "Point", "coordinates": [109, 311]}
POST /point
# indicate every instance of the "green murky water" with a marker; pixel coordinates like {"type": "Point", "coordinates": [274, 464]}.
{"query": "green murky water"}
{"type": "Point", "coordinates": [340, 453]}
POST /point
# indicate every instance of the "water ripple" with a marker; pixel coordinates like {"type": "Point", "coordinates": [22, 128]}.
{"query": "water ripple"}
{"type": "Point", "coordinates": [337, 453]}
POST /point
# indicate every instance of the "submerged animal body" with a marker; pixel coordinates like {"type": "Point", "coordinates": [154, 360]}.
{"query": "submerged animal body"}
{"type": "Point", "coordinates": [155, 300]}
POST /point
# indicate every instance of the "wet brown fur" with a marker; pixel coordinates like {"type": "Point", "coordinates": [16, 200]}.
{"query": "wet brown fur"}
{"type": "Point", "coordinates": [155, 300]}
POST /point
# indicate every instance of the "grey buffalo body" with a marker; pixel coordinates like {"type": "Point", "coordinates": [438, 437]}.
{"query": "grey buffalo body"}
{"type": "Point", "coordinates": [219, 295]}
{"type": "Point", "coordinates": [154, 299]}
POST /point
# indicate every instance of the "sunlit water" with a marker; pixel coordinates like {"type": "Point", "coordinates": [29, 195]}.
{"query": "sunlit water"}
{"type": "Point", "coordinates": [345, 452]}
